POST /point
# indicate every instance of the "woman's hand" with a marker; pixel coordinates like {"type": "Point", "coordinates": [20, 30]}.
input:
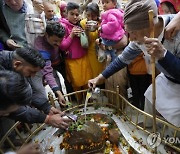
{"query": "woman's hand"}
{"type": "Point", "coordinates": [76, 31]}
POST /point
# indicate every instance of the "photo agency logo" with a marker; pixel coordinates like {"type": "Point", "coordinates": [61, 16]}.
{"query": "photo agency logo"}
{"type": "Point", "coordinates": [154, 140]}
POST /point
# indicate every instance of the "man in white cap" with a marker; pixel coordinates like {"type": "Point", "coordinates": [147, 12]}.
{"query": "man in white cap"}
{"type": "Point", "coordinates": [167, 57]}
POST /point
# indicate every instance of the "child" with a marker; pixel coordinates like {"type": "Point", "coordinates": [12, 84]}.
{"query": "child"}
{"type": "Point", "coordinates": [92, 14]}
{"type": "Point", "coordinates": [77, 62]}
{"type": "Point", "coordinates": [169, 7]}
{"type": "Point", "coordinates": [62, 8]}
{"type": "Point", "coordinates": [111, 30]}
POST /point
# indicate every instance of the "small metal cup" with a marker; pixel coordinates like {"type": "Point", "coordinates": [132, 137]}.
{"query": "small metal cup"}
{"type": "Point", "coordinates": [92, 25]}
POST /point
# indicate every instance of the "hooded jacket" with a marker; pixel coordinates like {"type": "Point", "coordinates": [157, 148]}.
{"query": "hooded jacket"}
{"type": "Point", "coordinates": [112, 25]}
{"type": "Point", "coordinates": [71, 45]}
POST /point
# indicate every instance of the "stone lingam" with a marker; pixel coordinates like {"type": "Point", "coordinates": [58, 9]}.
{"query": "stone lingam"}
{"type": "Point", "coordinates": [90, 139]}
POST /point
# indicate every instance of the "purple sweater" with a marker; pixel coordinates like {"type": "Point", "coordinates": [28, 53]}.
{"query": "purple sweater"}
{"type": "Point", "coordinates": [52, 58]}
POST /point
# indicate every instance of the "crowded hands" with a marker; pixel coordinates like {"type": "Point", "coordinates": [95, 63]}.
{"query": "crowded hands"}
{"type": "Point", "coordinates": [53, 110]}
{"type": "Point", "coordinates": [58, 121]}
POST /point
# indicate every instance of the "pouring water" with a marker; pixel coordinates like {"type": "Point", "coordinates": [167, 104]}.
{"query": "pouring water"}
{"type": "Point", "coordinates": [88, 96]}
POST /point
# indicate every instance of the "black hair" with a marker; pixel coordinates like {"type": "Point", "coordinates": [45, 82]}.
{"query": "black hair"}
{"type": "Point", "coordinates": [30, 55]}
{"type": "Point", "coordinates": [72, 6]}
{"type": "Point", "coordinates": [93, 7]}
{"type": "Point", "coordinates": [55, 28]}
{"type": "Point", "coordinates": [14, 89]}
{"type": "Point", "coordinates": [114, 1]}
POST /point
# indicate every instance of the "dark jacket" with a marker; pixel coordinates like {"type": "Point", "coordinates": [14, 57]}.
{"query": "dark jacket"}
{"type": "Point", "coordinates": [25, 113]}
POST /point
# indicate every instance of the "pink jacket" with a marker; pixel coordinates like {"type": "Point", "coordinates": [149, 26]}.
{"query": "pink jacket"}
{"type": "Point", "coordinates": [72, 46]}
{"type": "Point", "coordinates": [112, 24]}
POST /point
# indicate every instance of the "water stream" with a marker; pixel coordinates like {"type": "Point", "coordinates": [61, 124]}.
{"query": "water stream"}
{"type": "Point", "coordinates": [88, 96]}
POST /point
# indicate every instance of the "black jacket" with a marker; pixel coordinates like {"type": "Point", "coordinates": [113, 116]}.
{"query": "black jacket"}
{"type": "Point", "coordinates": [25, 113]}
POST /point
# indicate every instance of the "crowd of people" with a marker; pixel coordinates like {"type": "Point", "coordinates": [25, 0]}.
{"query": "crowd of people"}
{"type": "Point", "coordinates": [61, 38]}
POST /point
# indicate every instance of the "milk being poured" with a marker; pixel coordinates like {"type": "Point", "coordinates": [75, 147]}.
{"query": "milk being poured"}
{"type": "Point", "coordinates": [88, 96]}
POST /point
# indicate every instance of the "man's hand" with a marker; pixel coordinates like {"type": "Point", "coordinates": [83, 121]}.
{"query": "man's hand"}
{"type": "Point", "coordinates": [60, 98]}
{"type": "Point", "coordinates": [154, 47]}
{"type": "Point", "coordinates": [57, 121]}
{"type": "Point", "coordinates": [53, 110]}
{"type": "Point", "coordinates": [29, 149]}
{"type": "Point", "coordinates": [173, 27]}
{"type": "Point", "coordinates": [11, 44]}
{"type": "Point", "coordinates": [96, 81]}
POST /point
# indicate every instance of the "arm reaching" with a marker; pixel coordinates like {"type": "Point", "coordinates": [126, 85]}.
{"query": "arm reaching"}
{"type": "Point", "coordinates": [173, 27]}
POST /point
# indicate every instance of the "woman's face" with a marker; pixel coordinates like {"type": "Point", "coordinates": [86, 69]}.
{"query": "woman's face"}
{"type": "Point", "coordinates": [91, 16]}
{"type": "Point", "coordinates": [64, 13]}
{"type": "Point", "coordinates": [73, 16]}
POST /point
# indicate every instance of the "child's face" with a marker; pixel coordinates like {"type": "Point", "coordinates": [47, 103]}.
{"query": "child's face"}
{"type": "Point", "coordinates": [91, 16]}
{"type": "Point", "coordinates": [73, 16]}
{"type": "Point", "coordinates": [166, 9]}
{"type": "Point", "coordinates": [64, 13]}
{"type": "Point", "coordinates": [108, 4]}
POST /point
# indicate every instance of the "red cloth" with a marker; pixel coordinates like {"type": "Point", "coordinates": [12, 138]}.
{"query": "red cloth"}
{"type": "Point", "coordinates": [175, 3]}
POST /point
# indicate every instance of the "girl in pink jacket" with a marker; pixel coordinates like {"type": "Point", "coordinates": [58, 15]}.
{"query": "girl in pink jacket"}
{"type": "Point", "coordinates": [77, 62]}
{"type": "Point", "coordinates": [111, 30]}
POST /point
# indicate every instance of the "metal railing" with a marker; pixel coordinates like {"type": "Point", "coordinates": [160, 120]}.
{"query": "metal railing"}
{"type": "Point", "coordinates": [122, 106]}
